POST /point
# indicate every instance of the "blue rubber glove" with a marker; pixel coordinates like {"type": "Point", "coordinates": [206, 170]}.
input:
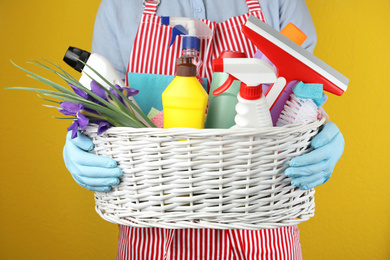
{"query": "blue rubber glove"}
{"type": "Point", "coordinates": [91, 171]}
{"type": "Point", "coordinates": [315, 168]}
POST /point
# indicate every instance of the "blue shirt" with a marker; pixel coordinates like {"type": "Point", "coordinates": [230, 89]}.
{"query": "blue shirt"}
{"type": "Point", "coordinates": [117, 21]}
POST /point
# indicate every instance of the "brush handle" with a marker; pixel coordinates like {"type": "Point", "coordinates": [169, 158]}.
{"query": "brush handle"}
{"type": "Point", "coordinates": [274, 92]}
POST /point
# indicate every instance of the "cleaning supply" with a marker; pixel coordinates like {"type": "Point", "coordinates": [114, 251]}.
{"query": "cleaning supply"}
{"type": "Point", "coordinates": [221, 111]}
{"type": "Point", "coordinates": [303, 105]}
{"type": "Point", "coordinates": [77, 58]}
{"type": "Point", "coordinates": [293, 33]}
{"type": "Point", "coordinates": [189, 27]}
{"type": "Point", "coordinates": [292, 61]}
{"type": "Point", "coordinates": [184, 100]}
{"type": "Point", "coordinates": [252, 108]}
{"type": "Point", "coordinates": [192, 31]}
{"type": "Point", "coordinates": [158, 119]}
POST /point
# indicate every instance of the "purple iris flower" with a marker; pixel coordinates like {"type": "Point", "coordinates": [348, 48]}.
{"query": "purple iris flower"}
{"type": "Point", "coordinates": [116, 94]}
{"type": "Point", "coordinates": [82, 120]}
{"type": "Point", "coordinates": [86, 115]}
{"type": "Point", "coordinates": [98, 90]}
{"type": "Point", "coordinates": [74, 127]}
{"type": "Point", "coordinates": [79, 91]}
{"type": "Point", "coordinates": [128, 92]}
{"type": "Point", "coordinates": [69, 108]}
{"type": "Point", "coordinates": [103, 126]}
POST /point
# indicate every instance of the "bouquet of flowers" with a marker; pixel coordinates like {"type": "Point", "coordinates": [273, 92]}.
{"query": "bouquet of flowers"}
{"type": "Point", "coordinates": [98, 105]}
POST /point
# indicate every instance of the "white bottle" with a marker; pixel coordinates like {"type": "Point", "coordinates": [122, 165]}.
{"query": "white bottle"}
{"type": "Point", "coordinates": [252, 108]}
{"type": "Point", "coordinates": [76, 58]}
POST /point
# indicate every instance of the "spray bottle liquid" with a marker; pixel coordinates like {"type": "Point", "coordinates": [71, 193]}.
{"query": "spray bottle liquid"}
{"type": "Point", "coordinates": [252, 108]}
{"type": "Point", "coordinates": [223, 96]}
{"type": "Point", "coordinates": [184, 100]}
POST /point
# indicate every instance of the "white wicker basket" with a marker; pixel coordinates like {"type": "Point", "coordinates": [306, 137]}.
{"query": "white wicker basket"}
{"type": "Point", "coordinates": [205, 178]}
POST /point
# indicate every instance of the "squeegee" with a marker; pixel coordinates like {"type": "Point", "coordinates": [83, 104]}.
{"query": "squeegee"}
{"type": "Point", "coordinates": [292, 62]}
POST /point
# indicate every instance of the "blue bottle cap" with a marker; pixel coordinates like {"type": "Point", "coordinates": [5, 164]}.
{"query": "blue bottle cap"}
{"type": "Point", "coordinates": [165, 20]}
{"type": "Point", "coordinates": [190, 42]}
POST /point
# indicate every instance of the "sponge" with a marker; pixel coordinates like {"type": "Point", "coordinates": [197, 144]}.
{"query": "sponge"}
{"type": "Point", "coordinates": [310, 91]}
{"type": "Point", "coordinates": [158, 119]}
{"type": "Point", "coordinates": [153, 112]}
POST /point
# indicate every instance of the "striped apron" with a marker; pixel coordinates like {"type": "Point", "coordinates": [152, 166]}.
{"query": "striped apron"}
{"type": "Point", "coordinates": [151, 55]}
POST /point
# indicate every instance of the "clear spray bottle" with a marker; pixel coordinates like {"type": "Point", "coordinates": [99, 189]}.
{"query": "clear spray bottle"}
{"type": "Point", "coordinates": [192, 31]}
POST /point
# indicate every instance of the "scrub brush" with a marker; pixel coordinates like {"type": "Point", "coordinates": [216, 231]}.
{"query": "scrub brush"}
{"type": "Point", "coordinates": [303, 105]}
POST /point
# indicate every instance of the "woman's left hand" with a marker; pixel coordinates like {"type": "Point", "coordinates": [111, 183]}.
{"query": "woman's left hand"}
{"type": "Point", "coordinates": [315, 168]}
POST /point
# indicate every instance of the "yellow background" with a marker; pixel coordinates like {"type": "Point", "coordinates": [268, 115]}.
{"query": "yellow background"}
{"type": "Point", "coordinates": [44, 214]}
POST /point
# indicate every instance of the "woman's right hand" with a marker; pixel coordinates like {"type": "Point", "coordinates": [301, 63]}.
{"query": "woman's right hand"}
{"type": "Point", "coordinates": [90, 171]}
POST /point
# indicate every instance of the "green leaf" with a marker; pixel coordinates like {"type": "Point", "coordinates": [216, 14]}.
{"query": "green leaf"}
{"type": "Point", "coordinates": [51, 106]}
{"type": "Point", "coordinates": [112, 115]}
{"type": "Point", "coordinates": [134, 107]}
{"type": "Point", "coordinates": [117, 118]}
{"type": "Point", "coordinates": [46, 81]}
{"type": "Point", "coordinates": [46, 99]}
{"type": "Point", "coordinates": [56, 117]}
{"type": "Point", "coordinates": [116, 115]}
{"type": "Point", "coordinates": [116, 101]}
{"type": "Point", "coordinates": [106, 103]}
{"type": "Point", "coordinates": [59, 67]}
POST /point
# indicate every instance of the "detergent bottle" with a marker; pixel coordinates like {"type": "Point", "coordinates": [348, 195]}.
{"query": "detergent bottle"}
{"type": "Point", "coordinates": [252, 108]}
{"type": "Point", "coordinates": [184, 100]}
{"type": "Point", "coordinates": [221, 110]}
{"type": "Point", "coordinates": [78, 59]}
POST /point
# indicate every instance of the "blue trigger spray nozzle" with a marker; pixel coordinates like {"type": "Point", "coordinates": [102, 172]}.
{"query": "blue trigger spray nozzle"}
{"type": "Point", "coordinates": [177, 30]}
{"type": "Point", "coordinates": [189, 27]}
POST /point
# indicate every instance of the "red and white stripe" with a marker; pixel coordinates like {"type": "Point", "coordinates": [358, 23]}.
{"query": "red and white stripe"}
{"type": "Point", "coordinates": [150, 54]}
{"type": "Point", "coordinates": [188, 244]}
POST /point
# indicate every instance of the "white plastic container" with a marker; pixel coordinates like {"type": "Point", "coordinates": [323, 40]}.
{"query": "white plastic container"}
{"type": "Point", "coordinates": [77, 58]}
{"type": "Point", "coordinates": [73, 58]}
{"type": "Point", "coordinates": [252, 108]}
{"type": "Point", "coordinates": [252, 113]}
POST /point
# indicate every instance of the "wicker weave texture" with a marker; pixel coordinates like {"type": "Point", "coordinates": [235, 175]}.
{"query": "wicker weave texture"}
{"type": "Point", "coordinates": [205, 178]}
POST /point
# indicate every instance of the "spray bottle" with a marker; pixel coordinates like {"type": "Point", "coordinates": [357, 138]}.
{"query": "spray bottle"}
{"type": "Point", "coordinates": [184, 100]}
{"type": "Point", "coordinates": [252, 108]}
{"type": "Point", "coordinates": [221, 111]}
{"type": "Point", "coordinates": [193, 30]}
{"type": "Point", "coordinates": [77, 58]}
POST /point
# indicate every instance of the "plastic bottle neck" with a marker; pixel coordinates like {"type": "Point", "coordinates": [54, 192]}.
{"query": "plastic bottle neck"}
{"type": "Point", "coordinates": [251, 93]}
{"type": "Point", "coordinates": [185, 67]}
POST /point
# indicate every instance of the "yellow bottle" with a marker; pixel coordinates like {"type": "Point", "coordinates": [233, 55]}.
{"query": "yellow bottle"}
{"type": "Point", "coordinates": [184, 100]}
